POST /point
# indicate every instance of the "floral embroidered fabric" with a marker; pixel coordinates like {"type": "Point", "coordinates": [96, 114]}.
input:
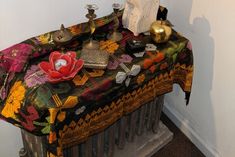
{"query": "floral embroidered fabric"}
{"type": "Point", "coordinates": [70, 111]}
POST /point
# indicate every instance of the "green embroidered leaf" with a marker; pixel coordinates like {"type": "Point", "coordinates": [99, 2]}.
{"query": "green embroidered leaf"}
{"type": "Point", "coordinates": [40, 124]}
{"type": "Point", "coordinates": [61, 88]}
{"type": "Point", "coordinates": [43, 96]}
{"type": "Point", "coordinates": [174, 57]}
{"type": "Point", "coordinates": [180, 47]}
{"type": "Point", "coordinates": [46, 130]}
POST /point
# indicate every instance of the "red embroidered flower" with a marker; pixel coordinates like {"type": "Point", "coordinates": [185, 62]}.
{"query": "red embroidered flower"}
{"type": "Point", "coordinates": [29, 118]}
{"type": "Point", "coordinates": [61, 66]}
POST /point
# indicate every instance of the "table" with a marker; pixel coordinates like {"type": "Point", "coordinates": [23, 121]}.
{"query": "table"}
{"type": "Point", "coordinates": [92, 101]}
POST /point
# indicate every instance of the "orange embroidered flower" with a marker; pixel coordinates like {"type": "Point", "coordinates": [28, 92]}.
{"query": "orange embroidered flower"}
{"type": "Point", "coordinates": [109, 46]}
{"type": "Point", "coordinates": [75, 30]}
{"type": "Point", "coordinates": [140, 79]}
{"type": "Point", "coordinates": [52, 137]}
{"type": "Point", "coordinates": [14, 100]}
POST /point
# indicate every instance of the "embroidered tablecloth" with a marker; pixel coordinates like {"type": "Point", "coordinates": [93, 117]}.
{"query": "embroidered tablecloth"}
{"type": "Point", "coordinates": [71, 111]}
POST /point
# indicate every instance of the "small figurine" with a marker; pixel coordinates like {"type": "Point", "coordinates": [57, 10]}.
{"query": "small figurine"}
{"type": "Point", "coordinates": [139, 15]}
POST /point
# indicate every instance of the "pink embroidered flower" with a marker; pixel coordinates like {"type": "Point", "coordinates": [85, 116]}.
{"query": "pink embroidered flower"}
{"type": "Point", "coordinates": [61, 66]}
{"type": "Point", "coordinates": [125, 58]}
{"type": "Point", "coordinates": [14, 58]}
{"type": "Point", "coordinates": [34, 76]}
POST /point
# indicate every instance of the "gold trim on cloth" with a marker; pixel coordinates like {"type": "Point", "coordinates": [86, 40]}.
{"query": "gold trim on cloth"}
{"type": "Point", "coordinates": [78, 132]}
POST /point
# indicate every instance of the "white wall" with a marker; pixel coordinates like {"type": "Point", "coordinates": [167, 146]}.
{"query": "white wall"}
{"type": "Point", "coordinates": [23, 19]}
{"type": "Point", "coordinates": [209, 118]}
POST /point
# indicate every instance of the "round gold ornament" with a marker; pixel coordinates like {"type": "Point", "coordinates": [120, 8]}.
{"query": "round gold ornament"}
{"type": "Point", "coordinates": [160, 31]}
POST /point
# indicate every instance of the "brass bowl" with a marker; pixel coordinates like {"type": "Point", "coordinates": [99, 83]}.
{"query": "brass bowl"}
{"type": "Point", "coordinates": [62, 36]}
{"type": "Point", "coordinates": [160, 31]}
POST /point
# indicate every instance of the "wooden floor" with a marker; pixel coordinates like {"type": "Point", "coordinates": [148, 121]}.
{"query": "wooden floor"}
{"type": "Point", "coordinates": [180, 146]}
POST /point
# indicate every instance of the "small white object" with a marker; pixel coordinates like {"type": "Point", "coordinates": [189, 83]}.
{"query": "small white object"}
{"type": "Point", "coordinates": [80, 110]}
{"type": "Point", "coordinates": [139, 54]}
{"type": "Point", "coordinates": [120, 77]}
{"type": "Point", "coordinates": [147, 33]}
{"type": "Point", "coordinates": [127, 82]}
{"type": "Point", "coordinates": [139, 15]}
{"type": "Point", "coordinates": [150, 47]}
{"type": "Point", "coordinates": [60, 63]}
{"type": "Point", "coordinates": [135, 69]}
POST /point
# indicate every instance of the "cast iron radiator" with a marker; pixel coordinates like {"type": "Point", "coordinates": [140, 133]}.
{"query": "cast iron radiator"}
{"type": "Point", "coordinates": [145, 120]}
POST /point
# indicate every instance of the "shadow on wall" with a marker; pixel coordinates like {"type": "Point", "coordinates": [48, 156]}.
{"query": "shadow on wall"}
{"type": "Point", "coordinates": [199, 115]}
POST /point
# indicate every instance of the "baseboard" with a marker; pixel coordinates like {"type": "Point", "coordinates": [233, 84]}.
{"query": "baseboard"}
{"type": "Point", "coordinates": [189, 132]}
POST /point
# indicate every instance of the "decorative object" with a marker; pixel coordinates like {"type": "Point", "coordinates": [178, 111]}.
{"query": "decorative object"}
{"type": "Point", "coordinates": [160, 31]}
{"type": "Point", "coordinates": [126, 76]}
{"type": "Point", "coordinates": [139, 54]}
{"type": "Point", "coordinates": [134, 46]}
{"type": "Point", "coordinates": [97, 59]}
{"type": "Point", "coordinates": [91, 44]}
{"type": "Point", "coordinates": [61, 66]}
{"type": "Point", "coordinates": [115, 36]}
{"type": "Point", "coordinates": [162, 13]}
{"type": "Point", "coordinates": [139, 15]}
{"type": "Point", "coordinates": [91, 54]}
{"type": "Point", "coordinates": [62, 36]}
{"type": "Point", "coordinates": [150, 47]}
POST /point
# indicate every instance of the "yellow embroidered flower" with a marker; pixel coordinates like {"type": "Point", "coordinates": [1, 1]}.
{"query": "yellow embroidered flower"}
{"type": "Point", "coordinates": [140, 79]}
{"type": "Point", "coordinates": [109, 46]}
{"type": "Point", "coordinates": [14, 100]}
{"type": "Point", "coordinates": [44, 39]}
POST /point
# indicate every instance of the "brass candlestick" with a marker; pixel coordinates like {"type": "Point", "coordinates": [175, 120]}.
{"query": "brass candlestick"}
{"type": "Point", "coordinates": [115, 36]}
{"type": "Point", "coordinates": [91, 44]}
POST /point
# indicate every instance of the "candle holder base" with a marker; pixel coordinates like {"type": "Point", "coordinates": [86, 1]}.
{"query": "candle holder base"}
{"type": "Point", "coordinates": [115, 36]}
{"type": "Point", "coordinates": [91, 45]}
